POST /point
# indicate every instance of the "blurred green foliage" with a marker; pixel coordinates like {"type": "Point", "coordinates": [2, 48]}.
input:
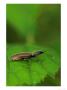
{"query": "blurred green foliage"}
{"type": "Point", "coordinates": [32, 27]}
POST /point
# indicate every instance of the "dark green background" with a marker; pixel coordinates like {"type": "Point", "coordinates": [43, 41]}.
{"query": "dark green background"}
{"type": "Point", "coordinates": [32, 27]}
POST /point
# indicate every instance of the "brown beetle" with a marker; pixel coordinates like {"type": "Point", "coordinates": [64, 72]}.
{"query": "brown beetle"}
{"type": "Point", "coordinates": [26, 55]}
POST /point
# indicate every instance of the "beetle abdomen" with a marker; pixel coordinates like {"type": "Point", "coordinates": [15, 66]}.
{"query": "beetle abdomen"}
{"type": "Point", "coordinates": [21, 56]}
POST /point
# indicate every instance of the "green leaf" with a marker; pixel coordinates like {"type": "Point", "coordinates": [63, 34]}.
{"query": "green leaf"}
{"type": "Point", "coordinates": [32, 71]}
